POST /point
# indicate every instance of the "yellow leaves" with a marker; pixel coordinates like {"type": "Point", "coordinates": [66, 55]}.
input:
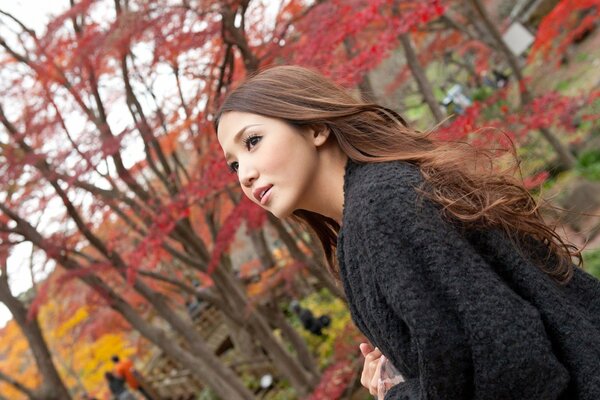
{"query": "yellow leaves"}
{"type": "Point", "coordinates": [76, 319]}
{"type": "Point", "coordinates": [284, 271]}
{"type": "Point", "coordinates": [321, 303]}
{"type": "Point", "coordinates": [282, 255]}
{"type": "Point", "coordinates": [92, 359]}
{"type": "Point", "coordinates": [16, 361]}
{"type": "Point", "coordinates": [19, 346]}
{"type": "Point", "coordinates": [81, 357]}
{"type": "Point", "coordinates": [268, 279]}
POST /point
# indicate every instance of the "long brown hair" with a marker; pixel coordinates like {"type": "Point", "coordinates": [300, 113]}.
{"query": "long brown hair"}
{"type": "Point", "coordinates": [474, 193]}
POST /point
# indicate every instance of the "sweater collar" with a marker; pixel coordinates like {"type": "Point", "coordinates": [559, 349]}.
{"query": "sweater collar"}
{"type": "Point", "coordinates": [350, 169]}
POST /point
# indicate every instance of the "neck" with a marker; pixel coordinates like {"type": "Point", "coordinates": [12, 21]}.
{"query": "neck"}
{"type": "Point", "coordinates": [329, 186]}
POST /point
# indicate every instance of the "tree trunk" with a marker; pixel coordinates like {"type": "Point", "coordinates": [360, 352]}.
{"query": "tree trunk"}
{"type": "Point", "coordinates": [53, 388]}
{"type": "Point", "coordinates": [365, 87]}
{"type": "Point", "coordinates": [31, 395]}
{"type": "Point", "coordinates": [566, 158]}
{"type": "Point", "coordinates": [200, 361]}
{"type": "Point", "coordinates": [233, 297]}
{"type": "Point", "coordinates": [318, 270]}
{"type": "Point", "coordinates": [257, 325]}
{"type": "Point", "coordinates": [419, 74]}
{"type": "Point", "coordinates": [243, 342]}
{"type": "Point", "coordinates": [481, 33]}
{"type": "Point", "coordinates": [197, 346]}
{"type": "Point", "coordinates": [278, 320]}
{"type": "Point", "coordinates": [184, 327]}
{"type": "Point", "coordinates": [273, 314]}
{"type": "Point", "coordinates": [259, 242]}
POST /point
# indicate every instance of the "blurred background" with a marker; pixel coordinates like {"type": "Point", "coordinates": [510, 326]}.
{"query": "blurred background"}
{"type": "Point", "coordinates": [122, 232]}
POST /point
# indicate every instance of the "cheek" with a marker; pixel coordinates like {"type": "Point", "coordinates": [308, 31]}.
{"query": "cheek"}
{"type": "Point", "coordinates": [248, 193]}
{"type": "Point", "coordinates": [286, 161]}
{"type": "Point", "coordinates": [274, 162]}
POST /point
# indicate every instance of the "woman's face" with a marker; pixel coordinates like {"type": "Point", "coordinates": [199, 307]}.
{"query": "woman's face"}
{"type": "Point", "coordinates": [276, 163]}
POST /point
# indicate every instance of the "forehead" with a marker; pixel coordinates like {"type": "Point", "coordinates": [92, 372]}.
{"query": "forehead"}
{"type": "Point", "coordinates": [232, 124]}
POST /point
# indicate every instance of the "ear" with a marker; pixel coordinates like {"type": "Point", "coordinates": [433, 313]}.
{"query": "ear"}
{"type": "Point", "coordinates": [319, 134]}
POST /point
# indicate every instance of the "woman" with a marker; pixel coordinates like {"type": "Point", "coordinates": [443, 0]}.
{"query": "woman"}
{"type": "Point", "coordinates": [448, 267]}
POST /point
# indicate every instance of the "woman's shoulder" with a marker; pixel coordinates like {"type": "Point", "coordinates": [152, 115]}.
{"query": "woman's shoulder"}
{"type": "Point", "coordinates": [370, 181]}
{"type": "Point", "coordinates": [382, 173]}
{"type": "Point", "coordinates": [386, 189]}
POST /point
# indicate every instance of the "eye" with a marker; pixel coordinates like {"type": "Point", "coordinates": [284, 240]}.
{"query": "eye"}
{"type": "Point", "coordinates": [233, 167]}
{"type": "Point", "coordinates": [252, 141]}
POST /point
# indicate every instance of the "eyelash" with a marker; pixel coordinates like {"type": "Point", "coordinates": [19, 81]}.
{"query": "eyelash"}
{"type": "Point", "coordinates": [233, 167]}
{"type": "Point", "coordinates": [249, 139]}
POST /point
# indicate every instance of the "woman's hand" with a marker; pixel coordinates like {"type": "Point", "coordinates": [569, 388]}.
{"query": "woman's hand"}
{"type": "Point", "coordinates": [371, 367]}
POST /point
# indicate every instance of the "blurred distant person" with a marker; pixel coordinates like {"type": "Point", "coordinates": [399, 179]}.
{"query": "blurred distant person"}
{"type": "Point", "coordinates": [500, 78]}
{"type": "Point", "coordinates": [124, 370]}
{"type": "Point", "coordinates": [117, 387]}
{"type": "Point", "coordinates": [309, 321]}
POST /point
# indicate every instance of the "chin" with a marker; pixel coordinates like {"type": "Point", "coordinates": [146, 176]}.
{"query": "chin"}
{"type": "Point", "coordinates": [281, 214]}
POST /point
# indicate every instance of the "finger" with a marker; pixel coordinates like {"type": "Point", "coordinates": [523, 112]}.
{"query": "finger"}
{"type": "Point", "coordinates": [365, 348]}
{"type": "Point", "coordinates": [369, 367]}
{"type": "Point", "coordinates": [362, 379]}
{"type": "Point", "coordinates": [374, 386]}
{"type": "Point", "coordinates": [373, 356]}
{"type": "Point", "coordinates": [366, 375]}
{"type": "Point", "coordinates": [376, 377]}
{"type": "Point", "coordinates": [365, 379]}
{"type": "Point", "coordinates": [373, 391]}
{"type": "Point", "coordinates": [372, 380]}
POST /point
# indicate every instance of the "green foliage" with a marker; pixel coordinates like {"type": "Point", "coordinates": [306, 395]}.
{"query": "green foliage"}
{"type": "Point", "coordinates": [561, 86]}
{"type": "Point", "coordinates": [591, 261]}
{"type": "Point", "coordinates": [588, 164]}
{"type": "Point", "coordinates": [582, 57]}
{"type": "Point", "coordinates": [494, 110]}
{"type": "Point", "coordinates": [286, 392]}
{"type": "Point", "coordinates": [250, 381]}
{"type": "Point", "coordinates": [323, 302]}
{"type": "Point", "coordinates": [586, 126]}
{"type": "Point", "coordinates": [207, 394]}
{"type": "Point", "coordinates": [415, 109]}
{"type": "Point", "coordinates": [482, 93]}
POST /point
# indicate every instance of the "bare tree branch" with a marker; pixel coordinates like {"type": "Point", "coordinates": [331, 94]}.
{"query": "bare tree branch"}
{"type": "Point", "coordinates": [19, 386]}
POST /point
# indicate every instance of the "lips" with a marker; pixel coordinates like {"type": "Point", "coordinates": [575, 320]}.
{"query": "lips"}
{"type": "Point", "coordinates": [261, 194]}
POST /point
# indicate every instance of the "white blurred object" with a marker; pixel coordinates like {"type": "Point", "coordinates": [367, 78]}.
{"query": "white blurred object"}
{"type": "Point", "coordinates": [456, 97]}
{"type": "Point", "coordinates": [517, 38]}
{"type": "Point", "coordinates": [266, 381]}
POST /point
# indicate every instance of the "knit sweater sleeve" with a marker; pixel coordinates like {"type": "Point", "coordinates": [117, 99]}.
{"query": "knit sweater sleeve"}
{"type": "Point", "coordinates": [475, 337]}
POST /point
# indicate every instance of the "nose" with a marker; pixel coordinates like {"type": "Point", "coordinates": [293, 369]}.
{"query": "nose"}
{"type": "Point", "coordinates": [247, 175]}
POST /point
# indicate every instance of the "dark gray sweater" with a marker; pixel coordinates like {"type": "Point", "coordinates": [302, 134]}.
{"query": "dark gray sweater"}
{"type": "Point", "coordinates": [461, 313]}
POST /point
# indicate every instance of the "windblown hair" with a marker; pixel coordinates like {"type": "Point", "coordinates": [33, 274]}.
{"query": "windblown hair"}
{"type": "Point", "coordinates": [470, 191]}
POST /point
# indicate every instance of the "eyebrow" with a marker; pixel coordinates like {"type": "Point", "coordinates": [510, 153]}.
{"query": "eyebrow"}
{"type": "Point", "coordinates": [239, 133]}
